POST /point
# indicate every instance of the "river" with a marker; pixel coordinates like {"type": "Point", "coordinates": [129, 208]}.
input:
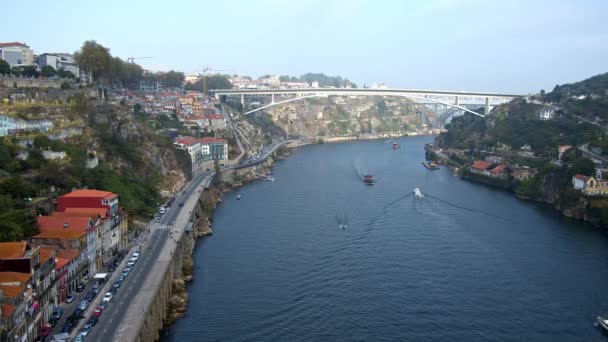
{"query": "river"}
{"type": "Point", "coordinates": [470, 263]}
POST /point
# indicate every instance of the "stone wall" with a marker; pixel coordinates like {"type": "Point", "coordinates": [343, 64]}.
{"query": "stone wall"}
{"type": "Point", "coordinates": [27, 82]}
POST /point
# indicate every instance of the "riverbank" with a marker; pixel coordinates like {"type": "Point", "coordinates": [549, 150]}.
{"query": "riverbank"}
{"type": "Point", "coordinates": [203, 216]}
{"type": "Point", "coordinates": [548, 188]}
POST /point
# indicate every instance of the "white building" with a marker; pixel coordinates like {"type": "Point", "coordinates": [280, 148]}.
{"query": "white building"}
{"type": "Point", "coordinates": [59, 61]}
{"type": "Point", "coordinates": [26, 53]}
{"type": "Point", "coordinates": [578, 182]}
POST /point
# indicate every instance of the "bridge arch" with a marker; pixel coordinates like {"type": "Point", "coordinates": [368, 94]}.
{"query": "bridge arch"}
{"type": "Point", "coordinates": [396, 94]}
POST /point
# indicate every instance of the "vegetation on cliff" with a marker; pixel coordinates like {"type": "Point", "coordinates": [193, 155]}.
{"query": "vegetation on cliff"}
{"type": "Point", "coordinates": [132, 160]}
{"type": "Point", "coordinates": [580, 112]}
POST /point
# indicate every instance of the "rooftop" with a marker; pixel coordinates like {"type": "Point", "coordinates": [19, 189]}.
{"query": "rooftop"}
{"type": "Point", "coordinates": [90, 193]}
{"type": "Point", "coordinates": [11, 291]}
{"type": "Point", "coordinates": [481, 165]}
{"type": "Point", "coordinates": [12, 44]}
{"type": "Point", "coordinates": [60, 262]}
{"type": "Point", "coordinates": [90, 212]}
{"type": "Point", "coordinates": [45, 255]}
{"type": "Point", "coordinates": [12, 250]}
{"type": "Point", "coordinates": [67, 254]}
{"type": "Point", "coordinates": [14, 277]}
{"type": "Point", "coordinates": [64, 223]}
{"type": "Point", "coordinates": [60, 234]}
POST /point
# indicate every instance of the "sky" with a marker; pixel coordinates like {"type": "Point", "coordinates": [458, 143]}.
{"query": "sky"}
{"type": "Point", "coordinates": [512, 46]}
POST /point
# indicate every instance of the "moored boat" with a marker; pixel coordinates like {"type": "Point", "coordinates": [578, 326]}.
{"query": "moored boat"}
{"type": "Point", "coordinates": [432, 165]}
{"type": "Point", "coordinates": [238, 197]}
{"type": "Point", "coordinates": [396, 146]}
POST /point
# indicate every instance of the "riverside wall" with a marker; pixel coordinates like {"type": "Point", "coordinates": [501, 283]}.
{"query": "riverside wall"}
{"type": "Point", "coordinates": [170, 296]}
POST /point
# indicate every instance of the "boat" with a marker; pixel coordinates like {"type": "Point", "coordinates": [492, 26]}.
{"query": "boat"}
{"type": "Point", "coordinates": [602, 323]}
{"type": "Point", "coordinates": [368, 179]}
{"type": "Point", "coordinates": [343, 226]}
{"type": "Point", "coordinates": [418, 193]}
{"type": "Point", "coordinates": [396, 146]}
{"type": "Point", "coordinates": [431, 165]}
{"type": "Point", "coordinates": [269, 179]}
{"type": "Point", "coordinates": [238, 197]}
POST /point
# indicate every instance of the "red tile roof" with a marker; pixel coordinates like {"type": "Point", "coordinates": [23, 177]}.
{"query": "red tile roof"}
{"type": "Point", "coordinates": [14, 277]}
{"type": "Point", "coordinates": [11, 291]}
{"type": "Point", "coordinates": [45, 255]}
{"type": "Point", "coordinates": [499, 168]}
{"type": "Point", "coordinates": [7, 310]}
{"type": "Point", "coordinates": [60, 234]}
{"type": "Point", "coordinates": [581, 177]}
{"type": "Point", "coordinates": [50, 223]}
{"type": "Point", "coordinates": [90, 212]}
{"type": "Point", "coordinates": [12, 250]}
{"type": "Point", "coordinates": [90, 193]}
{"type": "Point", "coordinates": [12, 44]}
{"type": "Point", "coordinates": [481, 165]}
{"type": "Point", "coordinates": [60, 263]}
{"type": "Point", "coordinates": [68, 254]}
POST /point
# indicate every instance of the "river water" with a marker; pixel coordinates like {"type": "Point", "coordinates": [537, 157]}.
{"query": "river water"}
{"type": "Point", "coordinates": [470, 263]}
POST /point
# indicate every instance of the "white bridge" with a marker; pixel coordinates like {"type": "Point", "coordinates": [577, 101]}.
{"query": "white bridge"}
{"type": "Point", "coordinates": [453, 99]}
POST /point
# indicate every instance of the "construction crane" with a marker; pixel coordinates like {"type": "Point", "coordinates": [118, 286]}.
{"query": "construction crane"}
{"type": "Point", "coordinates": [204, 77]}
{"type": "Point", "coordinates": [132, 59]}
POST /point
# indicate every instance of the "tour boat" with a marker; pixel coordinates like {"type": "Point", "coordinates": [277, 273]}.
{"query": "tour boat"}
{"type": "Point", "coordinates": [432, 165]}
{"type": "Point", "coordinates": [368, 179]}
{"type": "Point", "coordinates": [396, 146]}
{"type": "Point", "coordinates": [418, 193]}
{"type": "Point", "coordinates": [602, 323]}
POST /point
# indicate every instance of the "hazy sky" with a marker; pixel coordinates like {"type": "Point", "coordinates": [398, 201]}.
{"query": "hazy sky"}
{"type": "Point", "coordinates": [483, 45]}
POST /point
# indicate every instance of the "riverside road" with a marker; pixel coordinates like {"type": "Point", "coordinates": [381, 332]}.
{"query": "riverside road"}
{"type": "Point", "coordinates": [114, 314]}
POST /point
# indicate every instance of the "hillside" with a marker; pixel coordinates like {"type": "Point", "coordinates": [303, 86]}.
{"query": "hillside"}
{"type": "Point", "coordinates": [340, 116]}
{"type": "Point", "coordinates": [90, 144]}
{"type": "Point", "coordinates": [515, 134]}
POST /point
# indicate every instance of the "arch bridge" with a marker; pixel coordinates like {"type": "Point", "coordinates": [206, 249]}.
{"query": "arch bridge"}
{"type": "Point", "coordinates": [454, 99]}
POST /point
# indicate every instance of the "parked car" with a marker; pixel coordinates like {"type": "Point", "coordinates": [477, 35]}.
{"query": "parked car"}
{"type": "Point", "coordinates": [79, 288]}
{"type": "Point", "coordinates": [181, 204]}
{"type": "Point", "coordinates": [111, 269]}
{"type": "Point", "coordinates": [97, 312]}
{"type": "Point", "coordinates": [93, 320]}
{"type": "Point", "coordinates": [57, 313]}
{"type": "Point", "coordinates": [83, 305]}
{"type": "Point", "coordinates": [69, 299]}
{"type": "Point", "coordinates": [156, 220]}
{"type": "Point", "coordinates": [85, 330]}
{"type": "Point", "coordinates": [103, 305]}
{"type": "Point", "coordinates": [67, 327]}
{"type": "Point", "coordinates": [77, 314]}
{"type": "Point", "coordinates": [122, 277]}
{"type": "Point", "coordinates": [135, 255]}
{"type": "Point", "coordinates": [107, 297]}
{"type": "Point", "coordinates": [79, 338]}
{"type": "Point", "coordinates": [90, 295]}
{"type": "Point", "coordinates": [131, 262]}
{"type": "Point", "coordinates": [117, 284]}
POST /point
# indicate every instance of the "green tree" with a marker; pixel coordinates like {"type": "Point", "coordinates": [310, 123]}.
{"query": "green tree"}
{"type": "Point", "coordinates": [172, 79]}
{"type": "Point", "coordinates": [94, 58]}
{"type": "Point", "coordinates": [47, 71]}
{"type": "Point", "coordinates": [65, 74]}
{"type": "Point", "coordinates": [5, 68]}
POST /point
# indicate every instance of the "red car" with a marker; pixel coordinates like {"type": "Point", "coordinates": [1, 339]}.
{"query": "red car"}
{"type": "Point", "coordinates": [98, 311]}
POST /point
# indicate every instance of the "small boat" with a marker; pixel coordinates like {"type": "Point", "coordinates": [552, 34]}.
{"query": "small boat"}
{"type": "Point", "coordinates": [396, 146]}
{"type": "Point", "coordinates": [238, 197]}
{"type": "Point", "coordinates": [343, 226]}
{"type": "Point", "coordinates": [432, 165]}
{"type": "Point", "coordinates": [418, 193]}
{"type": "Point", "coordinates": [602, 323]}
{"type": "Point", "coordinates": [269, 179]}
{"type": "Point", "coordinates": [368, 179]}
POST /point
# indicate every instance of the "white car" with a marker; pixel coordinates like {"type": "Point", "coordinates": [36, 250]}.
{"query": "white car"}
{"type": "Point", "coordinates": [131, 262]}
{"type": "Point", "coordinates": [107, 297]}
{"type": "Point", "coordinates": [135, 256]}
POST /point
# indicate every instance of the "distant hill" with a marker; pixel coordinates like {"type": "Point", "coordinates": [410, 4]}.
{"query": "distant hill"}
{"type": "Point", "coordinates": [582, 114]}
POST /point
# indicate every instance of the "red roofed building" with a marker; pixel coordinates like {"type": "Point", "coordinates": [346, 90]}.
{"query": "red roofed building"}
{"type": "Point", "coordinates": [85, 198]}
{"type": "Point", "coordinates": [481, 167]}
{"type": "Point", "coordinates": [7, 49]}
{"type": "Point", "coordinates": [203, 149]}
{"type": "Point", "coordinates": [578, 181]}
{"type": "Point", "coordinates": [499, 171]}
